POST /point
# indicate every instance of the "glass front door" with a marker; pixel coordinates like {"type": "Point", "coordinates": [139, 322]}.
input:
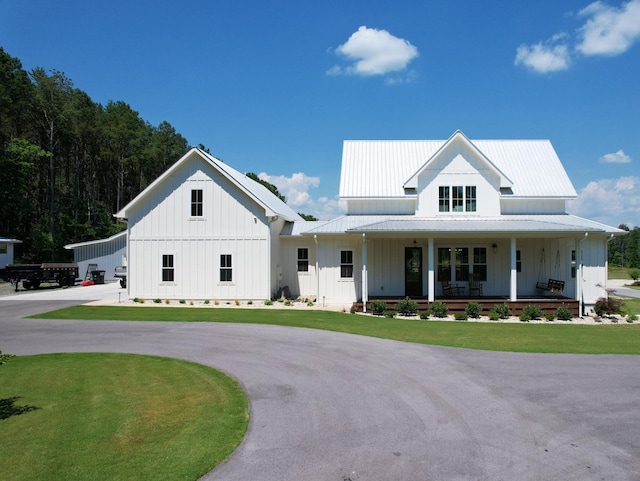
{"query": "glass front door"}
{"type": "Point", "coordinates": [413, 271]}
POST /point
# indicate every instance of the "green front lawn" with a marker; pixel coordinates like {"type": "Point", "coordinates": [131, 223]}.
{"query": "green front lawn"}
{"type": "Point", "coordinates": [609, 339]}
{"type": "Point", "coordinates": [115, 416]}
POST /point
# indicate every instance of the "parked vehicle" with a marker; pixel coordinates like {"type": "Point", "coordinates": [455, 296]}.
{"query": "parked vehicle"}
{"type": "Point", "coordinates": [121, 273]}
{"type": "Point", "coordinates": [32, 275]}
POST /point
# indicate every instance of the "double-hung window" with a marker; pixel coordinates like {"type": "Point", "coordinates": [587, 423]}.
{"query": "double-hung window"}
{"type": "Point", "coordinates": [226, 271]}
{"type": "Point", "coordinates": [480, 262]}
{"type": "Point", "coordinates": [167, 268]}
{"type": "Point", "coordinates": [444, 198]}
{"type": "Point", "coordinates": [196, 203]}
{"type": "Point", "coordinates": [303, 259]}
{"type": "Point", "coordinates": [346, 264]}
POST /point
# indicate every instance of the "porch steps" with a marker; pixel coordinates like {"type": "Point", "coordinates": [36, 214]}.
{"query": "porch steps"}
{"type": "Point", "coordinates": [457, 305]}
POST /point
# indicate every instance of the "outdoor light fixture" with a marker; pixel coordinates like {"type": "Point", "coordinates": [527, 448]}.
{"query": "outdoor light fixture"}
{"type": "Point", "coordinates": [495, 248]}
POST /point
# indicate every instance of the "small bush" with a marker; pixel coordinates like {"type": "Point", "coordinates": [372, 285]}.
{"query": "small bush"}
{"type": "Point", "coordinates": [237, 302]}
{"type": "Point", "coordinates": [607, 305]}
{"type": "Point", "coordinates": [378, 307]}
{"type": "Point", "coordinates": [503, 310]}
{"type": "Point", "coordinates": [524, 317]}
{"type": "Point", "coordinates": [460, 316]}
{"type": "Point", "coordinates": [550, 316]}
{"type": "Point", "coordinates": [439, 309]}
{"type": "Point", "coordinates": [634, 274]}
{"type": "Point", "coordinates": [532, 311]}
{"type": "Point", "coordinates": [564, 313]}
{"type": "Point", "coordinates": [216, 302]}
{"type": "Point", "coordinates": [138, 300]}
{"type": "Point", "coordinates": [407, 307]}
{"type": "Point", "coordinates": [157, 301]}
{"type": "Point", "coordinates": [389, 313]}
{"type": "Point", "coordinates": [353, 310]}
{"type": "Point", "coordinates": [182, 301]}
{"type": "Point", "coordinates": [268, 302]}
{"type": "Point", "coordinates": [206, 301]}
{"type": "Point", "coordinates": [167, 301]}
{"type": "Point", "coordinates": [249, 302]}
{"type": "Point", "coordinates": [493, 315]}
{"type": "Point", "coordinates": [424, 314]}
{"type": "Point", "coordinates": [287, 302]}
{"type": "Point", "coordinates": [473, 310]}
{"type": "Point", "coordinates": [309, 304]}
{"type": "Point", "coordinates": [191, 303]}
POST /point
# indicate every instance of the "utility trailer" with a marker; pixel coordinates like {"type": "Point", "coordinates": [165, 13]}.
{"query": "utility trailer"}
{"type": "Point", "coordinates": [32, 275]}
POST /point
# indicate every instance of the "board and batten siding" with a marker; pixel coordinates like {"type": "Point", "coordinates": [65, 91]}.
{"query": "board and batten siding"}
{"type": "Point", "coordinates": [301, 284]}
{"type": "Point", "coordinates": [232, 224]}
{"type": "Point", "coordinates": [332, 289]}
{"type": "Point", "coordinates": [106, 253]}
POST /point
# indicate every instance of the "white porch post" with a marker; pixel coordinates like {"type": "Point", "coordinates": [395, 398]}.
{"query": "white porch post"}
{"type": "Point", "coordinates": [431, 275]}
{"type": "Point", "coordinates": [513, 288]}
{"type": "Point", "coordinates": [365, 280]}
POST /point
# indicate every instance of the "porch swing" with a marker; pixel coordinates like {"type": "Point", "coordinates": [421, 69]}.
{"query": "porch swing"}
{"type": "Point", "coordinates": [552, 286]}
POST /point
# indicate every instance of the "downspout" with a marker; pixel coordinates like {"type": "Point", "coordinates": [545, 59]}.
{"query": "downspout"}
{"type": "Point", "coordinates": [272, 219]}
{"type": "Point", "coordinates": [581, 277]}
{"type": "Point", "coordinates": [315, 240]}
{"type": "Point", "coordinates": [365, 280]}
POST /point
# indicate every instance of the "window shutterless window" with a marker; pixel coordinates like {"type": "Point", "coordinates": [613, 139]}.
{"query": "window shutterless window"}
{"type": "Point", "coordinates": [196, 203]}
{"type": "Point", "coordinates": [444, 199]}
{"type": "Point", "coordinates": [167, 268]}
{"type": "Point", "coordinates": [303, 259]}
{"type": "Point", "coordinates": [518, 262]}
{"type": "Point", "coordinates": [462, 263]}
{"type": "Point", "coordinates": [470, 198]}
{"type": "Point", "coordinates": [226, 271]}
{"type": "Point", "coordinates": [346, 264]}
{"type": "Point", "coordinates": [3, 248]}
{"type": "Point", "coordinates": [480, 262]}
{"type": "Point", "coordinates": [457, 194]}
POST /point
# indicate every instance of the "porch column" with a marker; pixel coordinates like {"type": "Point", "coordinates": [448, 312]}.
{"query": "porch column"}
{"type": "Point", "coordinates": [513, 288]}
{"type": "Point", "coordinates": [431, 275]}
{"type": "Point", "coordinates": [365, 280]}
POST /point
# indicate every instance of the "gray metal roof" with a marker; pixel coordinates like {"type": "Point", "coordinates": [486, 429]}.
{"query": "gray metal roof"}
{"type": "Point", "coordinates": [506, 224]}
{"type": "Point", "coordinates": [380, 168]}
{"type": "Point", "coordinates": [97, 241]}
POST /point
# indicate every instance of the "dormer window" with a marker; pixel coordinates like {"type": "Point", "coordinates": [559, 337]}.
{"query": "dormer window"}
{"type": "Point", "coordinates": [457, 198]}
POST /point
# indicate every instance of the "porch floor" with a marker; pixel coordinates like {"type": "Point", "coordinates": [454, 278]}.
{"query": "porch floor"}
{"type": "Point", "coordinates": [458, 304]}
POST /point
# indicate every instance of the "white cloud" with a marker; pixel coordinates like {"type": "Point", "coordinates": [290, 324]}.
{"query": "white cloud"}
{"type": "Point", "coordinates": [297, 188]}
{"type": "Point", "coordinates": [610, 201]}
{"type": "Point", "coordinates": [374, 52]}
{"type": "Point", "coordinates": [551, 56]}
{"type": "Point", "coordinates": [618, 157]}
{"type": "Point", "coordinates": [609, 30]}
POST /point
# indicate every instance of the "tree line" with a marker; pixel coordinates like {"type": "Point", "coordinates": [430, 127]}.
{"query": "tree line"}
{"type": "Point", "coordinates": [624, 250]}
{"type": "Point", "coordinates": [67, 163]}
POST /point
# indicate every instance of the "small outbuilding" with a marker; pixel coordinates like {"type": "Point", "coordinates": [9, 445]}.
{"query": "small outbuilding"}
{"type": "Point", "coordinates": [100, 255]}
{"type": "Point", "coordinates": [6, 250]}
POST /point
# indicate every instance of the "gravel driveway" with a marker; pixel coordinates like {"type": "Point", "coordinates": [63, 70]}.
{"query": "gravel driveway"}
{"type": "Point", "coordinates": [331, 406]}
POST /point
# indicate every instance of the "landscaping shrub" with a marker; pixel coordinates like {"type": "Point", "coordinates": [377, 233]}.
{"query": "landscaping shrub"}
{"type": "Point", "coordinates": [634, 274]}
{"type": "Point", "coordinates": [550, 316]}
{"type": "Point", "coordinates": [460, 316]}
{"type": "Point", "coordinates": [424, 314]}
{"type": "Point", "coordinates": [493, 315]}
{"type": "Point", "coordinates": [605, 306]}
{"type": "Point", "coordinates": [389, 313]}
{"type": "Point", "coordinates": [378, 307]}
{"type": "Point", "coordinates": [407, 307]}
{"type": "Point", "coordinates": [182, 301]}
{"type": "Point", "coordinates": [353, 309]}
{"type": "Point", "coordinates": [439, 309]}
{"type": "Point", "coordinates": [524, 317]}
{"type": "Point", "coordinates": [564, 313]}
{"type": "Point", "coordinates": [532, 312]}
{"type": "Point", "coordinates": [473, 310]}
{"type": "Point", "coordinates": [502, 310]}
{"type": "Point", "coordinates": [156, 301]}
{"type": "Point", "coordinates": [206, 301]}
{"type": "Point", "coordinates": [268, 302]}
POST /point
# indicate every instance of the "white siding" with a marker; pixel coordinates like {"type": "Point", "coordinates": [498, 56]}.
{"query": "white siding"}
{"type": "Point", "coordinates": [593, 251]}
{"type": "Point", "coordinates": [108, 255]}
{"type": "Point", "coordinates": [381, 206]}
{"type": "Point", "coordinates": [301, 284]}
{"type": "Point", "coordinates": [232, 223]}
{"type": "Point", "coordinates": [532, 206]}
{"type": "Point", "coordinates": [334, 290]}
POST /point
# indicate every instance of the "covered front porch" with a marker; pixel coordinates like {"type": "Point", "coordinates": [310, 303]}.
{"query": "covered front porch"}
{"type": "Point", "coordinates": [462, 269]}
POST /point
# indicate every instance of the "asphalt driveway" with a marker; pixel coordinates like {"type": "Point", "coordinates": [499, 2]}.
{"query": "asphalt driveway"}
{"type": "Point", "coordinates": [330, 406]}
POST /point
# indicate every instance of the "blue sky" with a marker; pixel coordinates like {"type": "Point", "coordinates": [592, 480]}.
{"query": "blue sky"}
{"type": "Point", "coordinates": [275, 87]}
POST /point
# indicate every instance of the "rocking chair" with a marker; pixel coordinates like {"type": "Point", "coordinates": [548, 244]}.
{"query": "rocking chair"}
{"type": "Point", "coordinates": [475, 285]}
{"type": "Point", "coordinates": [448, 289]}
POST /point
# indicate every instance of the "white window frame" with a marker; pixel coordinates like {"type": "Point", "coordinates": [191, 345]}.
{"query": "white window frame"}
{"type": "Point", "coordinates": [346, 265]}
{"type": "Point", "coordinates": [302, 260]}
{"type": "Point", "coordinates": [226, 268]}
{"type": "Point", "coordinates": [168, 269]}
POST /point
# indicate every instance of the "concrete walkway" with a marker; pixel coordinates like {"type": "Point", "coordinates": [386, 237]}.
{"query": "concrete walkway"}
{"type": "Point", "coordinates": [331, 406]}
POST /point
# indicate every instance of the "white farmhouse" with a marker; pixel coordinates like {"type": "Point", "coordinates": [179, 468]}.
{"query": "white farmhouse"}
{"type": "Point", "coordinates": [425, 219]}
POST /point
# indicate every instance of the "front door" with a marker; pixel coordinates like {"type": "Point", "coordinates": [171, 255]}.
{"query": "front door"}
{"type": "Point", "coordinates": [413, 271]}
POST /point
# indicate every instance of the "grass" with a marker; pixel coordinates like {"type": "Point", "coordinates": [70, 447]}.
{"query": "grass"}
{"type": "Point", "coordinates": [618, 272]}
{"type": "Point", "coordinates": [550, 338]}
{"type": "Point", "coordinates": [116, 416]}
{"type": "Point", "coordinates": [631, 306]}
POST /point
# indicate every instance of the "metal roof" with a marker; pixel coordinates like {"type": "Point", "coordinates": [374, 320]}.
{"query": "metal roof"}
{"type": "Point", "coordinates": [506, 224]}
{"type": "Point", "coordinates": [97, 241]}
{"type": "Point", "coordinates": [380, 168]}
{"type": "Point", "coordinates": [6, 240]}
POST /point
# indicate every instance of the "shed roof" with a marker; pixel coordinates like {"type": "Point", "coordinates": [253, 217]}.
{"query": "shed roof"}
{"type": "Point", "coordinates": [380, 168]}
{"type": "Point", "coordinates": [504, 225]}
{"type": "Point", "coordinates": [114, 237]}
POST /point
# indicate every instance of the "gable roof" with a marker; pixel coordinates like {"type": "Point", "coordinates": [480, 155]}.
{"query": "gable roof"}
{"type": "Point", "coordinates": [255, 190]}
{"type": "Point", "coordinates": [382, 168]}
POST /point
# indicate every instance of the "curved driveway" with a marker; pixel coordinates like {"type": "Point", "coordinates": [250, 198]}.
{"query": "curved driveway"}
{"type": "Point", "coordinates": [330, 406]}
